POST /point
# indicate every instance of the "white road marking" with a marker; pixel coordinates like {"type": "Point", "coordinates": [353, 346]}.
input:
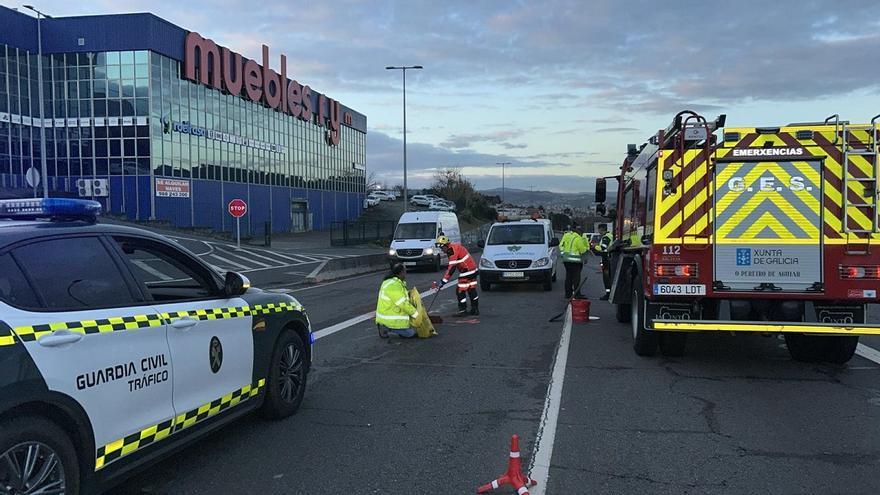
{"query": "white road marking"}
{"type": "Point", "coordinates": [242, 257]}
{"type": "Point", "coordinates": [252, 253]}
{"type": "Point", "coordinates": [152, 271]}
{"type": "Point", "coordinates": [229, 262]}
{"type": "Point", "coordinates": [540, 465]}
{"type": "Point", "coordinates": [868, 353]}
{"type": "Point", "coordinates": [326, 332]}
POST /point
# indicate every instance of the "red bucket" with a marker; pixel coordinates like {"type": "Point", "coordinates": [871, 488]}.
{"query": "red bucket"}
{"type": "Point", "coordinates": [580, 310]}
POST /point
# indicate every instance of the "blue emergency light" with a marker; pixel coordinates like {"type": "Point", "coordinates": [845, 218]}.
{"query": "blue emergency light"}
{"type": "Point", "coordinates": [51, 208]}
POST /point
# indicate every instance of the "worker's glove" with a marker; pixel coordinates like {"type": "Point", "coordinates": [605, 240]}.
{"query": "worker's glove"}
{"type": "Point", "coordinates": [441, 283]}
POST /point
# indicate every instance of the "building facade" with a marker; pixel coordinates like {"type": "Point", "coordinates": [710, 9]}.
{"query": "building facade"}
{"type": "Point", "coordinates": [146, 107]}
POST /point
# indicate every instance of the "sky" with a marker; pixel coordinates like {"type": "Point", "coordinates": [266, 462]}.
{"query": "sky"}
{"type": "Point", "coordinates": [555, 88]}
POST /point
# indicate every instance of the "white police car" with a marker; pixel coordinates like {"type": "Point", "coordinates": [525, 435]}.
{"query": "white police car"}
{"type": "Point", "coordinates": [117, 346]}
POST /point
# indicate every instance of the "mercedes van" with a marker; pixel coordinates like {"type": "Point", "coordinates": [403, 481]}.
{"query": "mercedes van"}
{"type": "Point", "coordinates": [517, 252]}
{"type": "Point", "coordinates": [414, 237]}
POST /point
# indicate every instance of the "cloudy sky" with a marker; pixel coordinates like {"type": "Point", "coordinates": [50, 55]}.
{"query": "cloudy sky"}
{"type": "Point", "coordinates": [557, 88]}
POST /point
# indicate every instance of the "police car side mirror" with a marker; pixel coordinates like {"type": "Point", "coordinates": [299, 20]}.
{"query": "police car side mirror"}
{"type": "Point", "coordinates": [481, 243]}
{"type": "Point", "coordinates": [554, 242]}
{"type": "Point", "coordinates": [235, 284]}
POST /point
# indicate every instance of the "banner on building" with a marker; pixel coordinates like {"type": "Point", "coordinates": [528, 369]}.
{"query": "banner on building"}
{"type": "Point", "coordinates": [172, 188]}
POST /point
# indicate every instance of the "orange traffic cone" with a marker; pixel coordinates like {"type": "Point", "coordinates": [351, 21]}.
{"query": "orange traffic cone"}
{"type": "Point", "coordinates": [514, 476]}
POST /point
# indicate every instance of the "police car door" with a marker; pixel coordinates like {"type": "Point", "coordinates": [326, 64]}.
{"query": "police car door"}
{"type": "Point", "coordinates": [210, 336]}
{"type": "Point", "coordinates": [94, 339]}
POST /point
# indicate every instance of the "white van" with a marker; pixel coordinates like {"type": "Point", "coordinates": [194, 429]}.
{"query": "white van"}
{"type": "Point", "coordinates": [416, 232]}
{"type": "Point", "coordinates": [520, 251]}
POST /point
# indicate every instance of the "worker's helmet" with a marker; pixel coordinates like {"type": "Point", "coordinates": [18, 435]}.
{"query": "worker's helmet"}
{"type": "Point", "coordinates": [442, 241]}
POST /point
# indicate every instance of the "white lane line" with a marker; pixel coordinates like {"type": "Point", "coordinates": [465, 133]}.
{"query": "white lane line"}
{"type": "Point", "coordinates": [868, 353]}
{"type": "Point", "coordinates": [228, 262]}
{"type": "Point", "coordinates": [152, 271]}
{"type": "Point", "coordinates": [244, 258]}
{"type": "Point", "coordinates": [297, 258]}
{"type": "Point", "coordinates": [540, 465]}
{"type": "Point", "coordinates": [326, 332]}
{"type": "Point", "coordinates": [311, 257]}
{"type": "Point", "coordinates": [275, 261]}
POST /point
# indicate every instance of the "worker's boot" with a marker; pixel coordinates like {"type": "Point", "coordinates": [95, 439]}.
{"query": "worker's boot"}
{"type": "Point", "coordinates": [606, 296]}
{"type": "Point", "coordinates": [475, 308]}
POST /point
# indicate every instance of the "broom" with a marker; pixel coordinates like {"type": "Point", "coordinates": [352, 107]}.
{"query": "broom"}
{"type": "Point", "coordinates": [434, 319]}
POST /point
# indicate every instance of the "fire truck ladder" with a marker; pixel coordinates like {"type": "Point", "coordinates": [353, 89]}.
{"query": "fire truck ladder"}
{"type": "Point", "coordinates": [693, 127]}
{"type": "Point", "coordinates": [869, 184]}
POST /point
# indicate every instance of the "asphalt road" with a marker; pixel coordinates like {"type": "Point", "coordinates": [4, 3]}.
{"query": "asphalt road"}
{"type": "Point", "coordinates": [735, 415]}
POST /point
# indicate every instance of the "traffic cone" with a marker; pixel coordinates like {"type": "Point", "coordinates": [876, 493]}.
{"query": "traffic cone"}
{"type": "Point", "coordinates": [514, 476]}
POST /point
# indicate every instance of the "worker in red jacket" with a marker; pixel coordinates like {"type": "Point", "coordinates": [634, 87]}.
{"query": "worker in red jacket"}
{"type": "Point", "coordinates": [460, 259]}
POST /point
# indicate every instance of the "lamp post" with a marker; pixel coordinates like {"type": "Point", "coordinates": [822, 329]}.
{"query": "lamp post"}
{"type": "Point", "coordinates": [403, 68]}
{"type": "Point", "coordinates": [502, 178]}
{"type": "Point", "coordinates": [43, 171]}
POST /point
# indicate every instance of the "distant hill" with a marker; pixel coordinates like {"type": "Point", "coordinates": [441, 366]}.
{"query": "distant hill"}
{"type": "Point", "coordinates": [546, 198]}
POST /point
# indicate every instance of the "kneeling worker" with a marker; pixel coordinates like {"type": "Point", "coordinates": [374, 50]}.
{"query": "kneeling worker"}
{"type": "Point", "coordinates": [572, 249]}
{"type": "Point", "coordinates": [394, 310]}
{"type": "Point", "coordinates": [460, 259]}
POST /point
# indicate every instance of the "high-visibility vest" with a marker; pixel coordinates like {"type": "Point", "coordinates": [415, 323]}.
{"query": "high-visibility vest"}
{"type": "Point", "coordinates": [573, 247]}
{"type": "Point", "coordinates": [604, 243]}
{"type": "Point", "coordinates": [393, 308]}
{"type": "Point", "coordinates": [460, 260]}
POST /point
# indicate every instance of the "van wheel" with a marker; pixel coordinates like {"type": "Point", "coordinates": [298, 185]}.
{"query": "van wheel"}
{"type": "Point", "coordinates": [485, 286]}
{"type": "Point", "coordinates": [554, 276]}
{"type": "Point", "coordinates": [673, 344]}
{"type": "Point", "coordinates": [437, 264]}
{"type": "Point", "coordinates": [644, 340]}
{"type": "Point", "coordinates": [36, 456]}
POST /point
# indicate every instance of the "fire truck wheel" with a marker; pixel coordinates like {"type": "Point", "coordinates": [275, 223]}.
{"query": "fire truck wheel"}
{"type": "Point", "coordinates": [644, 341]}
{"type": "Point", "coordinates": [806, 348]}
{"type": "Point", "coordinates": [839, 349]}
{"type": "Point", "coordinates": [673, 344]}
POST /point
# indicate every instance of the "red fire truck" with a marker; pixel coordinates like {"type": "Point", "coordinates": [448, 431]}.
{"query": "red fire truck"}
{"type": "Point", "coordinates": [750, 229]}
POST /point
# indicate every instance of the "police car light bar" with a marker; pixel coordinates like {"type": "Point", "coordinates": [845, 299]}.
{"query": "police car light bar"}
{"type": "Point", "coordinates": [53, 208]}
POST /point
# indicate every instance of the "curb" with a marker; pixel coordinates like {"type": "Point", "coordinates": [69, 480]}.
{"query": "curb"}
{"type": "Point", "coordinates": [346, 267]}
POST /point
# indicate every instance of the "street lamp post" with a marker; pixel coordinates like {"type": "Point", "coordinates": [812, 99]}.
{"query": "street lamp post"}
{"type": "Point", "coordinates": [502, 178]}
{"type": "Point", "coordinates": [43, 171]}
{"type": "Point", "coordinates": [403, 68]}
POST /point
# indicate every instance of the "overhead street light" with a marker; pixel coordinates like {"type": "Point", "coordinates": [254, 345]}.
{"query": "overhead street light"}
{"type": "Point", "coordinates": [404, 68]}
{"type": "Point", "coordinates": [43, 171]}
{"type": "Point", "coordinates": [502, 178]}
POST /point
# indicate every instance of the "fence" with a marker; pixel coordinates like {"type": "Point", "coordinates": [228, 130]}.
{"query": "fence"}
{"type": "Point", "coordinates": [349, 233]}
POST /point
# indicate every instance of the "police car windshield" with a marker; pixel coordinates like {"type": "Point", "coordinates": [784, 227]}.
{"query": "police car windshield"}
{"type": "Point", "coordinates": [516, 234]}
{"type": "Point", "coordinates": [426, 230]}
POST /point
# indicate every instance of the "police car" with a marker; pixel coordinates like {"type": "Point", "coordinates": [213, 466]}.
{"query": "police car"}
{"type": "Point", "coordinates": [117, 346]}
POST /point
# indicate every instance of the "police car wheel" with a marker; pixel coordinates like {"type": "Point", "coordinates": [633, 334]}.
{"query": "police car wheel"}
{"type": "Point", "coordinates": [36, 457]}
{"type": "Point", "coordinates": [287, 377]}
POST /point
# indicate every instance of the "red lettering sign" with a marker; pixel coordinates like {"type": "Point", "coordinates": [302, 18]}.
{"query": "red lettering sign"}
{"type": "Point", "coordinates": [222, 69]}
{"type": "Point", "coordinates": [237, 208]}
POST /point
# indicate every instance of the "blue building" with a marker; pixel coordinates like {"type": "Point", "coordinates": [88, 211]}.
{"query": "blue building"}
{"type": "Point", "coordinates": [174, 126]}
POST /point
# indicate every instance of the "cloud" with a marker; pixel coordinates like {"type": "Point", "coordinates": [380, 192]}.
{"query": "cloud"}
{"type": "Point", "coordinates": [617, 129]}
{"type": "Point", "coordinates": [460, 141]}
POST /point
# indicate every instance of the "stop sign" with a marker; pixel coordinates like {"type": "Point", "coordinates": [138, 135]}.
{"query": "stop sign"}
{"type": "Point", "coordinates": [237, 208]}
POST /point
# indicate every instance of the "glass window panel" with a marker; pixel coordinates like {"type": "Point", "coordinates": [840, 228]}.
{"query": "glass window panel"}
{"type": "Point", "coordinates": [142, 71]}
{"type": "Point", "coordinates": [142, 57]}
{"type": "Point", "coordinates": [142, 88]}
{"type": "Point", "coordinates": [128, 88]}
{"type": "Point", "coordinates": [127, 71]}
{"type": "Point", "coordinates": [115, 147]}
{"type": "Point", "coordinates": [128, 147]}
{"type": "Point", "coordinates": [113, 72]}
{"type": "Point", "coordinates": [126, 58]}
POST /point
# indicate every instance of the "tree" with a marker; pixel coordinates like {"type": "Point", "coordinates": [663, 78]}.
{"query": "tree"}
{"type": "Point", "coordinates": [452, 185]}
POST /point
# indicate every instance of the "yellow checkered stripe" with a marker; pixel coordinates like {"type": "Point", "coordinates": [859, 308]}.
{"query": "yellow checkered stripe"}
{"type": "Point", "coordinates": [138, 440]}
{"type": "Point", "coordinates": [123, 323]}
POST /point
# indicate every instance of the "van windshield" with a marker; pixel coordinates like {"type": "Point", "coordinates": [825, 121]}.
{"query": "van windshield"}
{"type": "Point", "coordinates": [427, 230]}
{"type": "Point", "coordinates": [516, 234]}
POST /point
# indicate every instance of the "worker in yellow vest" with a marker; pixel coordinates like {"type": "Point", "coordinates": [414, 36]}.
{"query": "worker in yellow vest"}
{"type": "Point", "coordinates": [394, 310]}
{"type": "Point", "coordinates": [572, 249]}
{"type": "Point", "coordinates": [602, 249]}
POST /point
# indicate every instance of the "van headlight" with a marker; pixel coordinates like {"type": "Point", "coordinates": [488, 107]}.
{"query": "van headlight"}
{"type": "Point", "coordinates": [485, 263]}
{"type": "Point", "coordinates": [392, 252]}
{"type": "Point", "coordinates": [429, 251]}
{"type": "Point", "coordinates": [542, 262]}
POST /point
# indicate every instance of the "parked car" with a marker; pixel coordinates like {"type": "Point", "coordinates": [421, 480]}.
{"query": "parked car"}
{"type": "Point", "coordinates": [392, 196]}
{"type": "Point", "coordinates": [420, 200]}
{"type": "Point", "coordinates": [370, 202]}
{"type": "Point", "coordinates": [441, 205]}
{"type": "Point", "coordinates": [381, 195]}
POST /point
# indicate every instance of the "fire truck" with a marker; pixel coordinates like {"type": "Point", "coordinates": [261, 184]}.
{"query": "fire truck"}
{"type": "Point", "coordinates": [770, 230]}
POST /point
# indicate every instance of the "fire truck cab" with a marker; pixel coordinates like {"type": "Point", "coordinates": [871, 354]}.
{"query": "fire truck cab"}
{"type": "Point", "coordinates": [749, 229]}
